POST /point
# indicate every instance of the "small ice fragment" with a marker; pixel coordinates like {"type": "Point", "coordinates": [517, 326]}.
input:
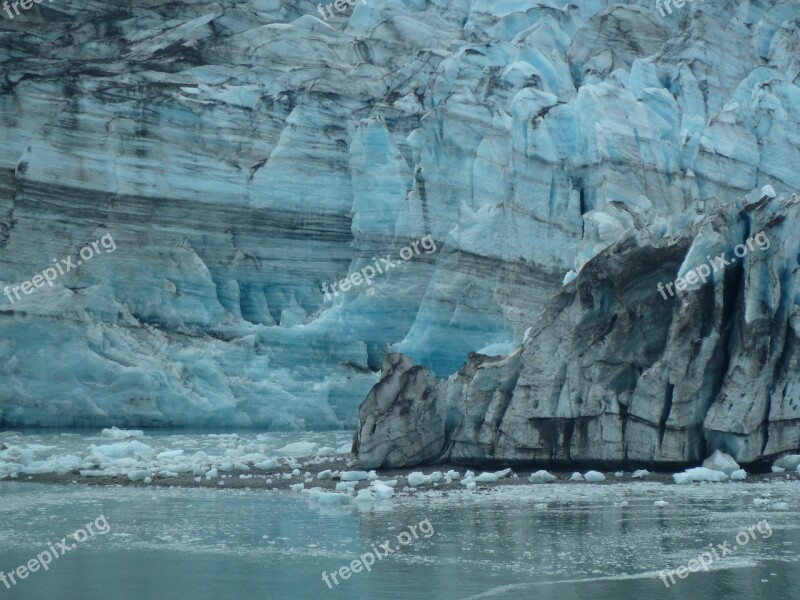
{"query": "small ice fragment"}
{"type": "Point", "coordinates": [542, 477]}
{"type": "Point", "coordinates": [354, 475]}
{"type": "Point", "coordinates": [594, 476]}
{"type": "Point", "coordinates": [417, 479]}
{"type": "Point", "coordinates": [138, 475]}
{"type": "Point", "coordinates": [384, 492]}
{"type": "Point", "coordinates": [576, 477]}
{"type": "Point", "coordinates": [298, 449]}
{"type": "Point", "coordinates": [364, 495]}
{"type": "Point", "coordinates": [121, 434]}
{"type": "Point", "coordinates": [267, 465]}
{"type": "Point", "coordinates": [739, 475]}
{"type": "Point", "coordinates": [719, 461]}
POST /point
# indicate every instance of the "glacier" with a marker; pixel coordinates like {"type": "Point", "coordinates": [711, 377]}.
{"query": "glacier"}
{"type": "Point", "coordinates": [241, 156]}
{"type": "Point", "coordinates": [616, 373]}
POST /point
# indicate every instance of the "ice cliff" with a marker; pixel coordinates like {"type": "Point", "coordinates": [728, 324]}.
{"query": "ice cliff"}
{"type": "Point", "coordinates": [243, 154]}
{"type": "Point", "coordinates": [618, 373]}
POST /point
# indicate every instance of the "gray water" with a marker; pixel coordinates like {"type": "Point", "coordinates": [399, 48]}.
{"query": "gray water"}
{"type": "Point", "coordinates": [556, 541]}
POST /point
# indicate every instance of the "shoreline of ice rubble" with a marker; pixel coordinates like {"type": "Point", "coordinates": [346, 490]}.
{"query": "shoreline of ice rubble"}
{"type": "Point", "coordinates": [327, 474]}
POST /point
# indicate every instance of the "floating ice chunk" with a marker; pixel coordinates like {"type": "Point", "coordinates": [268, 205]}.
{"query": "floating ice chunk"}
{"type": "Point", "coordinates": [383, 492]}
{"type": "Point", "coordinates": [619, 474]}
{"type": "Point", "coordinates": [286, 476]}
{"type": "Point", "coordinates": [739, 475]}
{"type": "Point", "coordinates": [542, 477]}
{"type": "Point", "coordinates": [138, 475]}
{"type": "Point", "coordinates": [492, 477]}
{"type": "Point", "coordinates": [298, 449]}
{"type": "Point", "coordinates": [121, 434]}
{"type": "Point", "coordinates": [364, 495]}
{"type": "Point", "coordinates": [778, 469]}
{"type": "Point", "coordinates": [640, 474]}
{"type": "Point", "coordinates": [789, 462]}
{"type": "Point", "coordinates": [452, 474]}
{"type": "Point", "coordinates": [212, 474]}
{"type": "Point", "coordinates": [344, 449]}
{"type": "Point", "coordinates": [660, 503]}
{"type": "Point", "coordinates": [297, 487]}
{"type": "Point", "coordinates": [354, 475]}
{"type": "Point", "coordinates": [719, 461]}
{"type": "Point", "coordinates": [267, 465]}
{"type": "Point", "coordinates": [326, 451]}
{"type": "Point", "coordinates": [345, 486]}
{"type": "Point", "coordinates": [760, 501]}
{"type": "Point", "coordinates": [87, 473]}
{"type": "Point", "coordinates": [326, 474]}
{"type": "Point", "coordinates": [781, 506]}
{"type": "Point", "coordinates": [328, 498]}
{"type": "Point", "coordinates": [768, 191]}
{"type": "Point", "coordinates": [295, 472]}
{"type": "Point", "coordinates": [471, 485]}
{"type": "Point", "coordinates": [169, 454]}
{"type": "Point", "coordinates": [417, 479]}
{"type": "Point", "coordinates": [372, 475]}
{"type": "Point", "coordinates": [594, 476]}
{"type": "Point", "coordinates": [699, 474]}
{"type": "Point", "coordinates": [122, 450]}
{"type": "Point", "coordinates": [576, 477]}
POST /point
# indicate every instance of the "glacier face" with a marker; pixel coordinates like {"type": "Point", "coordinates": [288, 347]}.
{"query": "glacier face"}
{"type": "Point", "coordinates": [619, 373]}
{"type": "Point", "coordinates": [243, 156]}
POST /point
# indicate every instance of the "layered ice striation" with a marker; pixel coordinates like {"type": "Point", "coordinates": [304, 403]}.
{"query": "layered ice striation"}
{"type": "Point", "coordinates": [244, 155]}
